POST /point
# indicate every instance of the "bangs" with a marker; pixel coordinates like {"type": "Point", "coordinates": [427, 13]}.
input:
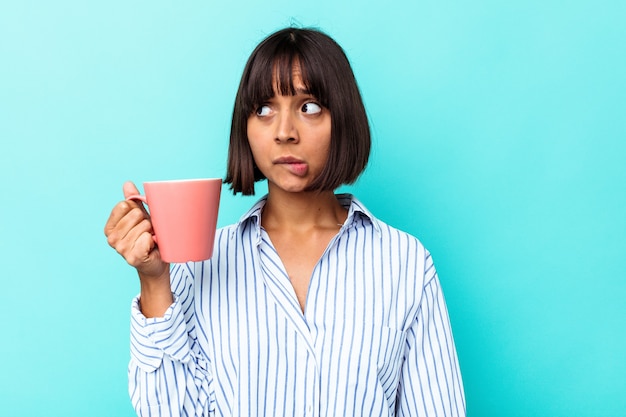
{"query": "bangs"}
{"type": "Point", "coordinates": [273, 71]}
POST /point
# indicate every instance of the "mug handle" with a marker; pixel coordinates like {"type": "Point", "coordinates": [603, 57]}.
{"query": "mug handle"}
{"type": "Point", "coordinates": [143, 199]}
{"type": "Point", "coordinates": [137, 197]}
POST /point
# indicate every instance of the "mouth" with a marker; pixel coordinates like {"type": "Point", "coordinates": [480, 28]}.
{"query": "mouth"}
{"type": "Point", "coordinates": [288, 160]}
{"type": "Point", "coordinates": [294, 165]}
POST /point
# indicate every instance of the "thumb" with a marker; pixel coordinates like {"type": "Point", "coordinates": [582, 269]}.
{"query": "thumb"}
{"type": "Point", "coordinates": [129, 189]}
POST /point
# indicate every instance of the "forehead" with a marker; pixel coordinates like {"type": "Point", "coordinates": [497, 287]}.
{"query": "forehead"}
{"type": "Point", "coordinates": [283, 84]}
{"type": "Point", "coordinates": [288, 77]}
{"type": "Point", "coordinates": [285, 74]}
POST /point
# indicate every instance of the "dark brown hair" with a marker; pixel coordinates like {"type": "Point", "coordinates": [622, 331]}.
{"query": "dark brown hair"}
{"type": "Point", "coordinates": [327, 75]}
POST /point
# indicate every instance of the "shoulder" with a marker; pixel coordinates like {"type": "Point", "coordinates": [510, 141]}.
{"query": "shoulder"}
{"type": "Point", "coordinates": [400, 247]}
{"type": "Point", "coordinates": [407, 247]}
{"type": "Point", "coordinates": [383, 230]}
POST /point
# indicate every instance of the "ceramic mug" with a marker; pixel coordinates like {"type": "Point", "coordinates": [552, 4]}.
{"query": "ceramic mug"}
{"type": "Point", "coordinates": [184, 217]}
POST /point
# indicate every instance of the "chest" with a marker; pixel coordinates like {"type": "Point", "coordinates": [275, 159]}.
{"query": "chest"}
{"type": "Point", "coordinates": [263, 346]}
{"type": "Point", "coordinates": [299, 255]}
{"type": "Point", "coordinates": [347, 344]}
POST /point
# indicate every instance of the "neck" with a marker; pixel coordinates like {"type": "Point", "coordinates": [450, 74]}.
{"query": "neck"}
{"type": "Point", "coordinates": [303, 210]}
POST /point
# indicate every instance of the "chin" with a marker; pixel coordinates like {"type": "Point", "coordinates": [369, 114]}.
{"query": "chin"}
{"type": "Point", "coordinates": [291, 187]}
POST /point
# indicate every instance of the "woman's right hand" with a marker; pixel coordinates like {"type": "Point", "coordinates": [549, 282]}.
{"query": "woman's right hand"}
{"type": "Point", "coordinates": [129, 232]}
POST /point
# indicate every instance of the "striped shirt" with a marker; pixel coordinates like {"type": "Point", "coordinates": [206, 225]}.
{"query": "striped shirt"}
{"type": "Point", "coordinates": [374, 339]}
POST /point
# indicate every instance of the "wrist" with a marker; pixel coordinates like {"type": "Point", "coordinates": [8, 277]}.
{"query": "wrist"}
{"type": "Point", "coordinates": [156, 294]}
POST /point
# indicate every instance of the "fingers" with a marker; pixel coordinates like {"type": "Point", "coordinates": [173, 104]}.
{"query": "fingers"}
{"type": "Point", "coordinates": [129, 232]}
{"type": "Point", "coordinates": [138, 250]}
{"type": "Point", "coordinates": [124, 239]}
{"type": "Point", "coordinates": [119, 213]}
{"type": "Point", "coordinates": [129, 189]}
{"type": "Point", "coordinates": [124, 217]}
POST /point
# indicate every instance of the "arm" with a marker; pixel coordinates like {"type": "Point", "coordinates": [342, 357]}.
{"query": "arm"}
{"type": "Point", "coordinates": [430, 381]}
{"type": "Point", "coordinates": [168, 374]}
{"type": "Point", "coordinates": [129, 232]}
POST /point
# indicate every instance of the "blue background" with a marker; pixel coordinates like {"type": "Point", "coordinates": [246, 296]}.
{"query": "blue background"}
{"type": "Point", "coordinates": [499, 135]}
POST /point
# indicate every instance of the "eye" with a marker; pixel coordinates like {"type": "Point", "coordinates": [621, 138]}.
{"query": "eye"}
{"type": "Point", "coordinates": [263, 110]}
{"type": "Point", "coordinates": [311, 108]}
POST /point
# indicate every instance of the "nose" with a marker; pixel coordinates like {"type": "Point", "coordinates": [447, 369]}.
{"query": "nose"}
{"type": "Point", "coordinates": [286, 130]}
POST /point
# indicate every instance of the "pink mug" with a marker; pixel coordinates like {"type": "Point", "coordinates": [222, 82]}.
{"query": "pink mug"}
{"type": "Point", "coordinates": [184, 217]}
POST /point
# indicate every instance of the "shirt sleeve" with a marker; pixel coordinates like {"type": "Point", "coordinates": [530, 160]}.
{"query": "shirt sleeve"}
{"type": "Point", "coordinates": [430, 381]}
{"type": "Point", "coordinates": [168, 374]}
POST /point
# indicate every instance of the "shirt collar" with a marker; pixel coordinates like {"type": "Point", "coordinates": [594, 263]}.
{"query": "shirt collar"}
{"type": "Point", "coordinates": [356, 210]}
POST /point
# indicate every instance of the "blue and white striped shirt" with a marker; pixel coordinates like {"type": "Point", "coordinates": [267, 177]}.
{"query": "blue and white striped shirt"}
{"type": "Point", "coordinates": [374, 340]}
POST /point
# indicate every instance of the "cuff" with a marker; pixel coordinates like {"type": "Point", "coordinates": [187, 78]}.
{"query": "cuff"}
{"type": "Point", "coordinates": [153, 338]}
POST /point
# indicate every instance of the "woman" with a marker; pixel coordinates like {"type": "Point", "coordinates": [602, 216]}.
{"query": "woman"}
{"type": "Point", "coordinates": [309, 305]}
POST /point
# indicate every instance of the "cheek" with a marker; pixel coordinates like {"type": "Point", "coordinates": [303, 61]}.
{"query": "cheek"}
{"type": "Point", "coordinates": [258, 150]}
{"type": "Point", "coordinates": [253, 138]}
{"type": "Point", "coordinates": [254, 149]}
{"type": "Point", "coordinates": [324, 143]}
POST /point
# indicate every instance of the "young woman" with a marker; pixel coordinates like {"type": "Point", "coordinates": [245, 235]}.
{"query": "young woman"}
{"type": "Point", "coordinates": [310, 306]}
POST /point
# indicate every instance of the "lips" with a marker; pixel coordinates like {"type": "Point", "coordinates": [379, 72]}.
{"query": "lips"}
{"type": "Point", "coordinates": [294, 165]}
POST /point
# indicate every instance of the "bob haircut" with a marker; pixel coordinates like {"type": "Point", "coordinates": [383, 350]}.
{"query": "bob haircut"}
{"type": "Point", "coordinates": [327, 75]}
